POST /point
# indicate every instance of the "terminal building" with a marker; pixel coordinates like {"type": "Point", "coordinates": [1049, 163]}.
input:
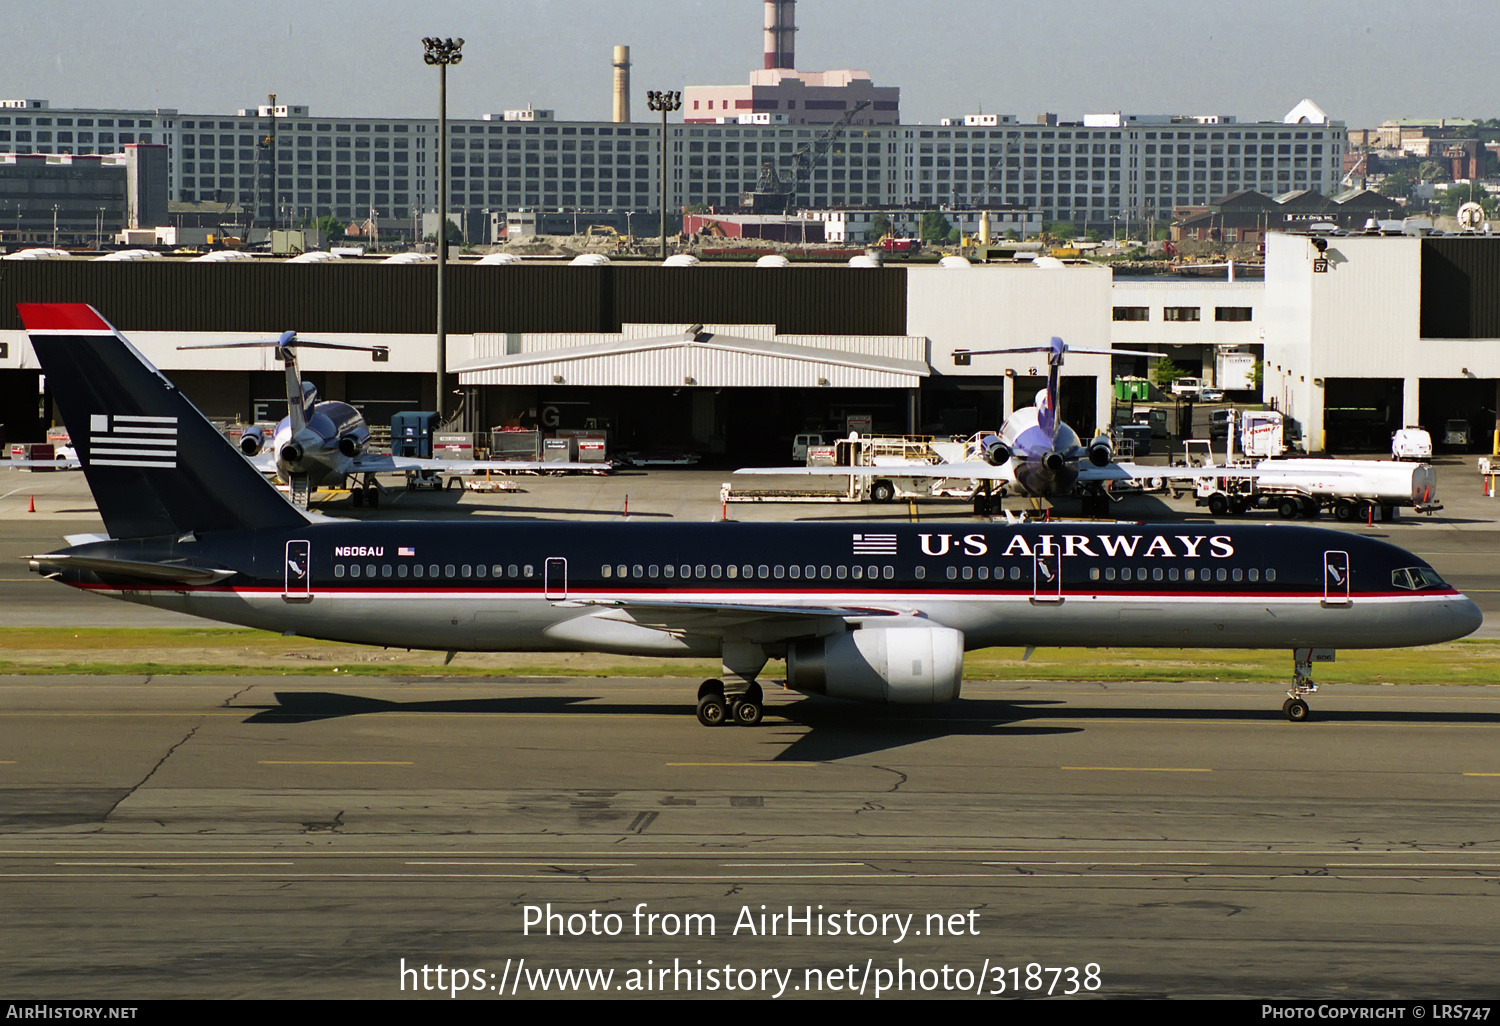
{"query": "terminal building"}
{"type": "Point", "coordinates": [1357, 335]}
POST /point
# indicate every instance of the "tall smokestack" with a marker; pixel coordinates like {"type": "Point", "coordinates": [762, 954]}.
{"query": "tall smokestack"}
{"type": "Point", "coordinates": [622, 83]}
{"type": "Point", "coordinates": [781, 27]}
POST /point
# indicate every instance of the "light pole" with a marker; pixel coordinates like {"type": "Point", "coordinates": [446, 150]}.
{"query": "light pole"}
{"type": "Point", "coordinates": [666, 102]}
{"type": "Point", "coordinates": [54, 226]}
{"type": "Point", "coordinates": [442, 52]}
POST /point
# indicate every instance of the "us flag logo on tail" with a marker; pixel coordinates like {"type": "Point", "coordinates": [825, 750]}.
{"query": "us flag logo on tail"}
{"type": "Point", "coordinates": [129, 440]}
{"type": "Point", "coordinates": [874, 544]}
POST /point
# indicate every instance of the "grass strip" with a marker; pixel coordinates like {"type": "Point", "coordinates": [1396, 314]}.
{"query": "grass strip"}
{"type": "Point", "coordinates": [131, 651]}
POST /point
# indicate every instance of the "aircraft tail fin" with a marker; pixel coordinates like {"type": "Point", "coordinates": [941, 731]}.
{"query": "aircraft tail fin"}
{"type": "Point", "coordinates": [155, 464]}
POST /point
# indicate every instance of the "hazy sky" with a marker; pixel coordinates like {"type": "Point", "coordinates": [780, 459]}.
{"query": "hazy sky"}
{"type": "Point", "coordinates": [1362, 60]}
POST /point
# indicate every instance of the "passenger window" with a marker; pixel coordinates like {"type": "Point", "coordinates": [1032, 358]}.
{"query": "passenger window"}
{"type": "Point", "coordinates": [984, 573]}
{"type": "Point", "coordinates": [763, 571]}
{"type": "Point", "coordinates": [620, 570]}
{"type": "Point", "coordinates": [466, 570]}
{"type": "Point", "coordinates": [354, 570]}
{"type": "Point", "coordinates": [638, 571]}
{"type": "Point", "coordinates": [827, 573]}
{"type": "Point", "coordinates": [369, 569]}
{"type": "Point", "coordinates": [1093, 573]}
{"type": "Point", "coordinates": [1172, 574]}
{"type": "Point", "coordinates": [953, 573]}
{"type": "Point", "coordinates": [1254, 575]}
{"type": "Point", "coordinates": [526, 570]}
{"type": "Point", "coordinates": [875, 571]}
{"type": "Point", "coordinates": [432, 571]}
{"type": "Point", "coordinates": [606, 570]}
{"type": "Point", "coordinates": [731, 571]}
{"type": "Point", "coordinates": [499, 571]}
{"type": "Point", "coordinates": [856, 572]}
{"type": "Point", "coordinates": [480, 570]}
{"type": "Point", "coordinates": [1109, 573]}
{"type": "Point", "coordinates": [338, 570]}
{"type": "Point", "coordinates": [715, 571]}
{"type": "Point", "coordinates": [1015, 573]}
{"type": "Point", "coordinates": [668, 571]}
{"type": "Point", "coordinates": [385, 570]}
{"type": "Point", "coordinates": [1270, 575]}
{"type": "Point", "coordinates": [968, 573]}
{"type": "Point", "coordinates": [843, 572]}
{"type": "Point", "coordinates": [890, 573]}
{"type": "Point", "coordinates": [416, 570]}
{"type": "Point", "coordinates": [652, 570]}
{"type": "Point", "coordinates": [1189, 574]}
{"type": "Point", "coordinates": [1237, 574]}
{"type": "Point", "coordinates": [1156, 573]}
{"type": "Point", "coordinates": [1208, 573]}
{"type": "Point", "coordinates": [795, 573]}
{"type": "Point", "coordinates": [449, 570]}
{"type": "Point", "coordinates": [1222, 575]}
{"type": "Point", "coordinates": [920, 573]}
{"type": "Point", "coordinates": [700, 571]}
{"type": "Point", "coordinates": [748, 572]}
{"type": "Point", "coordinates": [779, 571]}
{"type": "Point", "coordinates": [686, 570]}
{"type": "Point", "coordinates": [1125, 574]}
{"type": "Point", "coordinates": [401, 570]}
{"type": "Point", "coordinates": [510, 571]}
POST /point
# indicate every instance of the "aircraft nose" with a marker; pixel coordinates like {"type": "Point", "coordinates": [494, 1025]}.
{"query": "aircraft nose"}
{"type": "Point", "coordinates": [1466, 617]}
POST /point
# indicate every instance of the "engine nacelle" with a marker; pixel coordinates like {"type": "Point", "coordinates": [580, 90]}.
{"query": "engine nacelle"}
{"type": "Point", "coordinates": [349, 446]}
{"type": "Point", "coordinates": [291, 453]}
{"type": "Point", "coordinates": [252, 441]}
{"type": "Point", "coordinates": [1100, 451]}
{"type": "Point", "coordinates": [995, 452]}
{"type": "Point", "coordinates": [895, 665]}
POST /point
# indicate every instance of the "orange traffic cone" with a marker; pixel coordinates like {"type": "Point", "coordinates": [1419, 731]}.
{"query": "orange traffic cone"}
{"type": "Point", "coordinates": [32, 507]}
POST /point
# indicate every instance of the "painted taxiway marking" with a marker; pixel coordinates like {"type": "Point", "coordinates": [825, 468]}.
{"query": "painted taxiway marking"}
{"type": "Point", "coordinates": [217, 865]}
{"type": "Point", "coordinates": [328, 762]}
{"type": "Point", "coordinates": [1138, 769]}
{"type": "Point", "coordinates": [1482, 774]}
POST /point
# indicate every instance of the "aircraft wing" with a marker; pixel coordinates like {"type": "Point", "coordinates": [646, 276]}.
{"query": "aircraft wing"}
{"type": "Point", "coordinates": [767, 622]}
{"type": "Point", "coordinates": [381, 463]}
{"type": "Point", "coordinates": [265, 462]}
{"type": "Point", "coordinates": [967, 471]}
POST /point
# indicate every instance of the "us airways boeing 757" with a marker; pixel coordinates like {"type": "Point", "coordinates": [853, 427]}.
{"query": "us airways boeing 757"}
{"type": "Point", "coordinates": [878, 614]}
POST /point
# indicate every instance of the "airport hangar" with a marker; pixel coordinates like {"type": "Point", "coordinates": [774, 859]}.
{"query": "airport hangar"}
{"type": "Point", "coordinates": [1359, 337]}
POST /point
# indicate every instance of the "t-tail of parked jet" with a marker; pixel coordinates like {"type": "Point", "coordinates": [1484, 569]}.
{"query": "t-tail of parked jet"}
{"type": "Point", "coordinates": [155, 464]}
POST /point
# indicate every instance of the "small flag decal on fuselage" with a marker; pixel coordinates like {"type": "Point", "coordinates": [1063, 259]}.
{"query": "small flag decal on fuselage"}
{"type": "Point", "coordinates": [406, 550]}
{"type": "Point", "coordinates": [129, 440]}
{"type": "Point", "coordinates": [874, 544]}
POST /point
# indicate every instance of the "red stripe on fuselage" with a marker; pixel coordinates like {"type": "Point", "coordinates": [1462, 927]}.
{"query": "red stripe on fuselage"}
{"type": "Point", "coordinates": [44, 317]}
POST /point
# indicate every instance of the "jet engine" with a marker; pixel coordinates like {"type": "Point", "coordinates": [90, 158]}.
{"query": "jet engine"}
{"type": "Point", "coordinates": [252, 441]}
{"type": "Point", "coordinates": [349, 446]}
{"type": "Point", "coordinates": [1100, 451]}
{"type": "Point", "coordinates": [291, 453]}
{"type": "Point", "coordinates": [899, 666]}
{"type": "Point", "coordinates": [995, 452]}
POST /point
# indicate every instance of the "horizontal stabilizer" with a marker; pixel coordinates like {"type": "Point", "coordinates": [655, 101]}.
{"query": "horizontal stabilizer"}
{"type": "Point", "coordinates": [131, 569]}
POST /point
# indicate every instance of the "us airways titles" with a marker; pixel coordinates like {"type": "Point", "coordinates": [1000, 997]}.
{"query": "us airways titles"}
{"type": "Point", "coordinates": [1160, 546]}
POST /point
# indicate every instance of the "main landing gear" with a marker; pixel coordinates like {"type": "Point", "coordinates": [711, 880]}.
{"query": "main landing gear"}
{"type": "Point", "coordinates": [744, 709]}
{"type": "Point", "coordinates": [369, 495]}
{"type": "Point", "coordinates": [1294, 707]}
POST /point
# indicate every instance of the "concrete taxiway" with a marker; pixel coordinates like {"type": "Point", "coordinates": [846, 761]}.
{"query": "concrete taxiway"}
{"type": "Point", "coordinates": [251, 837]}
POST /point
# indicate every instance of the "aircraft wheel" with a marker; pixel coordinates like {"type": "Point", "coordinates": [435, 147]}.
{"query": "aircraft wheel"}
{"type": "Point", "coordinates": [712, 711]}
{"type": "Point", "coordinates": [1289, 508]}
{"type": "Point", "coordinates": [1343, 510]}
{"type": "Point", "coordinates": [1218, 505]}
{"type": "Point", "coordinates": [372, 497]}
{"type": "Point", "coordinates": [746, 713]}
{"type": "Point", "coordinates": [754, 694]}
{"type": "Point", "coordinates": [356, 497]}
{"type": "Point", "coordinates": [1296, 710]}
{"type": "Point", "coordinates": [882, 491]}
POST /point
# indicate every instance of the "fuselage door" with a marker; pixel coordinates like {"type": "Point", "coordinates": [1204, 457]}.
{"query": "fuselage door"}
{"type": "Point", "coordinates": [1046, 574]}
{"type": "Point", "coordinates": [1335, 578]}
{"type": "Point", "coordinates": [297, 567]}
{"type": "Point", "coordinates": [555, 579]}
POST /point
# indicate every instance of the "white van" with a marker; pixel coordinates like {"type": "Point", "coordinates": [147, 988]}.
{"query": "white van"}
{"type": "Point", "coordinates": [1411, 443]}
{"type": "Point", "coordinates": [801, 443]}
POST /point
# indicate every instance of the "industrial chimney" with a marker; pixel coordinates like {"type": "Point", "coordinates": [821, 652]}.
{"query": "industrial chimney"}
{"type": "Point", "coordinates": [781, 25]}
{"type": "Point", "coordinates": [622, 83]}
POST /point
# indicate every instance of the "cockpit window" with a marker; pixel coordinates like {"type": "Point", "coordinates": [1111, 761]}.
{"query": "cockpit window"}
{"type": "Point", "coordinates": [1416, 578]}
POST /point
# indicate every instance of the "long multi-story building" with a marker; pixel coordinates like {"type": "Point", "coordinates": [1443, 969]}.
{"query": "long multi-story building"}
{"type": "Point", "coordinates": [284, 163]}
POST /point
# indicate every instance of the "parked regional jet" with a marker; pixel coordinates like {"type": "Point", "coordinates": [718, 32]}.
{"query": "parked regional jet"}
{"type": "Point", "coordinates": [1035, 453]}
{"type": "Point", "coordinates": [324, 443]}
{"type": "Point", "coordinates": [873, 613]}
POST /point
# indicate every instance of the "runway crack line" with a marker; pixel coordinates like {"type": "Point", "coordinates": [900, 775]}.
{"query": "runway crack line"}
{"type": "Point", "coordinates": [159, 763]}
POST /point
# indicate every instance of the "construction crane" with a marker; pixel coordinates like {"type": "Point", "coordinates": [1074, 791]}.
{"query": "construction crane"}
{"type": "Point", "coordinates": [776, 190]}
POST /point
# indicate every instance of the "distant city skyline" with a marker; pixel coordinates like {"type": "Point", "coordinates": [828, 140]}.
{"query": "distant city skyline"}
{"type": "Point", "coordinates": [1362, 61]}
